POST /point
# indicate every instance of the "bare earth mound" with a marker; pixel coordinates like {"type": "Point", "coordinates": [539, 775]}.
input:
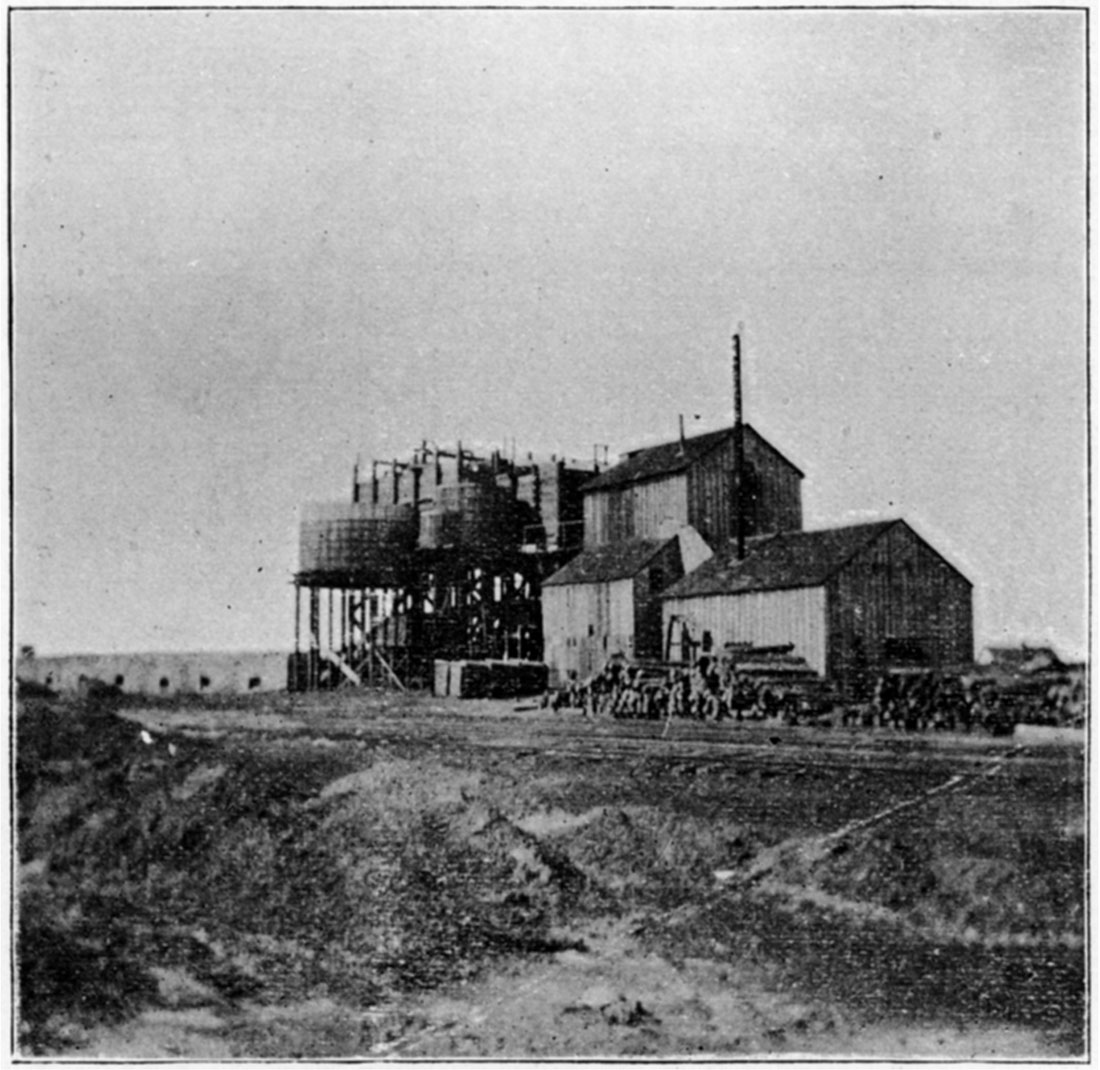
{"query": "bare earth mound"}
{"type": "Point", "coordinates": [357, 879]}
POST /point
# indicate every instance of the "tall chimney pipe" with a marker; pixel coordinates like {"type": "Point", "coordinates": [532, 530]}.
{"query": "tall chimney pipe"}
{"type": "Point", "coordinates": [738, 445]}
{"type": "Point", "coordinates": [683, 440]}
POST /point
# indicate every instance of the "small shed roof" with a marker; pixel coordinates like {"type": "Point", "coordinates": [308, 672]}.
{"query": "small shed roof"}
{"type": "Point", "coordinates": [774, 562]}
{"type": "Point", "coordinates": [670, 458]}
{"type": "Point", "coordinates": [602, 564]}
{"type": "Point", "coordinates": [1020, 659]}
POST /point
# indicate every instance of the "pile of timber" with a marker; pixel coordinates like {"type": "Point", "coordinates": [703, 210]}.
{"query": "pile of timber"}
{"type": "Point", "coordinates": [968, 699]}
{"type": "Point", "coordinates": [745, 682]}
{"type": "Point", "coordinates": [768, 664]}
{"type": "Point", "coordinates": [490, 679]}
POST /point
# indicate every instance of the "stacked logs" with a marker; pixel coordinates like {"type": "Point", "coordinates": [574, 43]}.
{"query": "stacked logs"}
{"type": "Point", "coordinates": [771, 685]}
{"type": "Point", "coordinates": [756, 684]}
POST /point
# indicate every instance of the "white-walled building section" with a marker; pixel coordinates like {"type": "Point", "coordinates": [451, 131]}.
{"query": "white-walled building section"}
{"type": "Point", "coordinates": [160, 674]}
{"type": "Point", "coordinates": [607, 601]}
{"type": "Point", "coordinates": [584, 624]}
{"type": "Point", "coordinates": [765, 618]}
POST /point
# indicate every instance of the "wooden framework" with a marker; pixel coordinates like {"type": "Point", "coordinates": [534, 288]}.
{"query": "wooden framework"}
{"type": "Point", "coordinates": [437, 557]}
{"type": "Point", "coordinates": [450, 606]}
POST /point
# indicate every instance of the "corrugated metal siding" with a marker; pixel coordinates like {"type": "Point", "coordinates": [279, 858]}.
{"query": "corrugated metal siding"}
{"type": "Point", "coordinates": [584, 624]}
{"type": "Point", "coordinates": [898, 587]}
{"type": "Point", "coordinates": [763, 617]}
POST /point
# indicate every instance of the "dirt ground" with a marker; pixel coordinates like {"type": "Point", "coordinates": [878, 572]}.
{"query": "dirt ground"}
{"type": "Point", "coordinates": [371, 875]}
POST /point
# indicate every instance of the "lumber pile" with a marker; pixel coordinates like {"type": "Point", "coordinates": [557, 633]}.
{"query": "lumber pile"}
{"type": "Point", "coordinates": [489, 679]}
{"type": "Point", "coordinates": [744, 682]}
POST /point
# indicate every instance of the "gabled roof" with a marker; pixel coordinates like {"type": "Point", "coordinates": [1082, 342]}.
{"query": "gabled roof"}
{"type": "Point", "coordinates": [671, 457]}
{"type": "Point", "coordinates": [602, 564]}
{"type": "Point", "coordinates": [775, 562]}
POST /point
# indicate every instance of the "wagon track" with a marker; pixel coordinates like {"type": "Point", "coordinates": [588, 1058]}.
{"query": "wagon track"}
{"type": "Point", "coordinates": [776, 748]}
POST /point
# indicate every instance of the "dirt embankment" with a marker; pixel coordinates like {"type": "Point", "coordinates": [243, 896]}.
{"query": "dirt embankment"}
{"type": "Point", "coordinates": [283, 897]}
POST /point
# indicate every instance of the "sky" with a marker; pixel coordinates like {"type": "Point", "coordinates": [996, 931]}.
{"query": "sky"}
{"type": "Point", "coordinates": [248, 246]}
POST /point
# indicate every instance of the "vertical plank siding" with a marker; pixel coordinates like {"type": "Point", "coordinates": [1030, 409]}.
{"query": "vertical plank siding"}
{"type": "Point", "coordinates": [702, 496]}
{"type": "Point", "coordinates": [620, 515]}
{"type": "Point", "coordinates": [899, 588]}
{"type": "Point", "coordinates": [710, 494]}
{"type": "Point", "coordinates": [659, 506]}
{"type": "Point", "coordinates": [774, 484]}
{"type": "Point", "coordinates": [584, 624]}
{"type": "Point", "coordinates": [778, 487]}
{"type": "Point", "coordinates": [766, 618]}
{"type": "Point", "coordinates": [646, 510]}
{"type": "Point", "coordinates": [595, 519]}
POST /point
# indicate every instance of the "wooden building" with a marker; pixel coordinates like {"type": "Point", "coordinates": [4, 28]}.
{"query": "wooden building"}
{"type": "Point", "coordinates": [654, 491]}
{"type": "Point", "coordinates": [852, 600]}
{"type": "Point", "coordinates": [606, 601]}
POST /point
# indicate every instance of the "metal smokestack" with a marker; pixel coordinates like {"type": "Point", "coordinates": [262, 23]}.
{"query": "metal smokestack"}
{"type": "Point", "coordinates": [738, 445]}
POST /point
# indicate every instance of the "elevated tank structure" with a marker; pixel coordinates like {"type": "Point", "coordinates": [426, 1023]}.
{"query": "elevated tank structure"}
{"type": "Point", "coordinates": [356, 541]}
{"type": "Point", "coordinates": [437, 556]}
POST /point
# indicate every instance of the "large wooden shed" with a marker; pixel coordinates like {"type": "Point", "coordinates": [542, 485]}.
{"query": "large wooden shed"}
{"type": "Point", "coordinates": [606, 601]}
{"type": "Point", "coordinates": [852, 600]}
{"type": "Point", "coordinates": [691, 481]}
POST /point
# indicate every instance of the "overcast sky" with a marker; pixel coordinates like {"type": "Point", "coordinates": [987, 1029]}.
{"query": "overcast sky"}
{"type": "Point", "coordinates": [249, 245]}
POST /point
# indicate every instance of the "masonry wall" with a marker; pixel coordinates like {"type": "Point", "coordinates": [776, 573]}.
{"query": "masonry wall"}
{"type": "Point", "coordinates": [161, 674]}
